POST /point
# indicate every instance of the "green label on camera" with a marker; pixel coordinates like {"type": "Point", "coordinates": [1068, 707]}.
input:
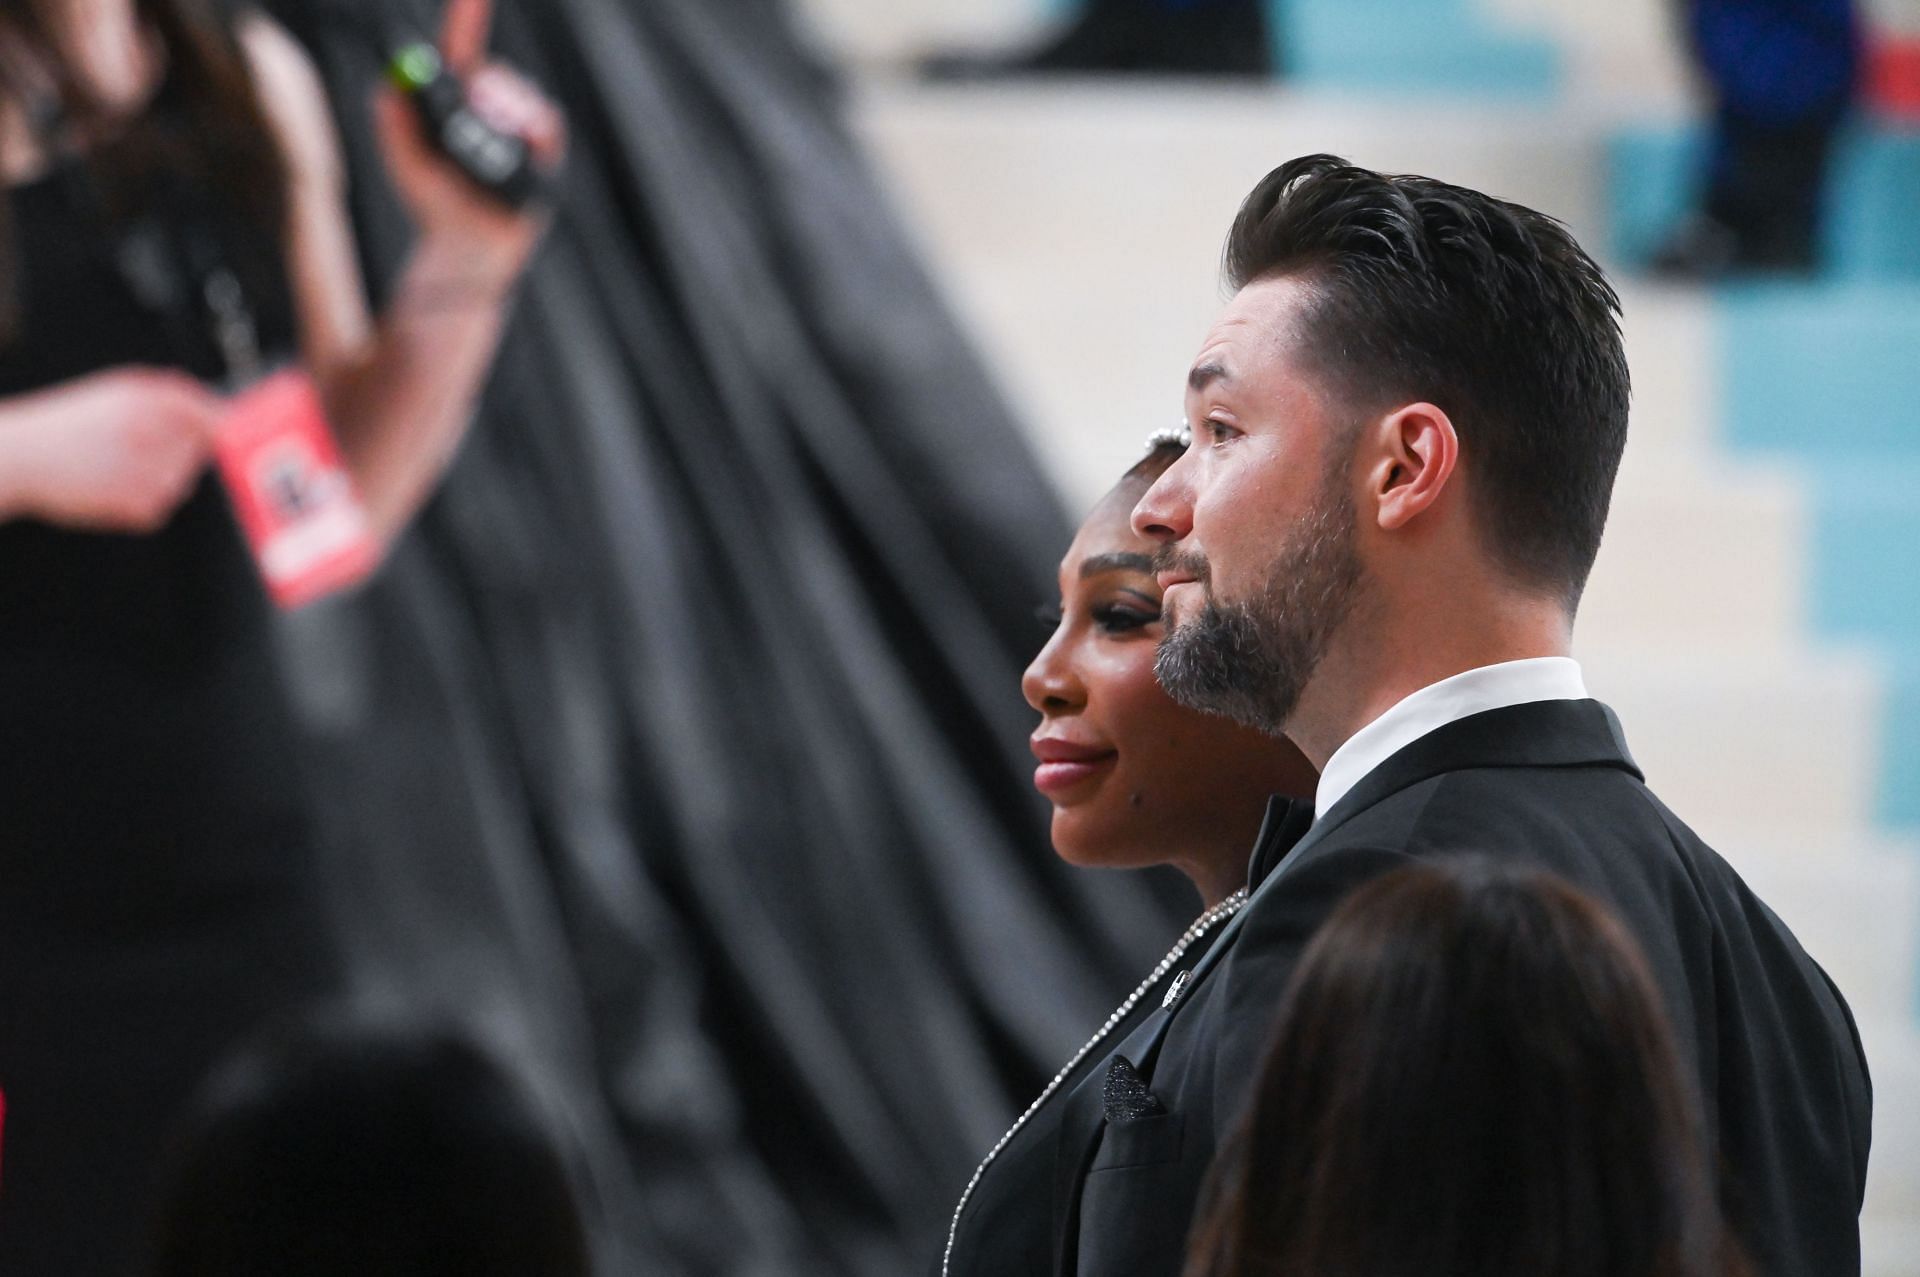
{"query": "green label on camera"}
{"type": "Point", "coordinates": [415, 66]}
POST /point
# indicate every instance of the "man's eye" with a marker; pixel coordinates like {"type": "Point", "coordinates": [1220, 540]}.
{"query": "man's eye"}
{"type": "Point", "coordinates": [1116, 619]}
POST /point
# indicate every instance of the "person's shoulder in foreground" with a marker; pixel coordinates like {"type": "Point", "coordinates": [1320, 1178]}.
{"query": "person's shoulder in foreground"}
{"type": "Point", "coordinates": [1407, 423]}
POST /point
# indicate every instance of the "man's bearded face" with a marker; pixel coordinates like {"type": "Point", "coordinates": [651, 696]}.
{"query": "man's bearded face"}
{"type": "Point", "coordinates": [1250, 659]}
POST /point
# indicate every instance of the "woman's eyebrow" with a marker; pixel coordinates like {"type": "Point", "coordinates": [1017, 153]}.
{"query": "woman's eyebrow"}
{"type": "Point", "coordinates": [1095, 564]}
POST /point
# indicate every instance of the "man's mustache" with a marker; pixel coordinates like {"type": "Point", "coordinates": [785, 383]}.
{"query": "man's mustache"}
{"type": "Point", "coordinates": [1170, 558]}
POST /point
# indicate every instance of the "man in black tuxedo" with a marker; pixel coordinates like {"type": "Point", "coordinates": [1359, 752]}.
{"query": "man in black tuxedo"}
{"type": "Point", "coordinates": [1406, 427]}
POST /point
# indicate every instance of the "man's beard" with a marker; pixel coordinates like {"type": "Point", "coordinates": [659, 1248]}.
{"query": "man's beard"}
{"type": "Point", "coordinates": [1250, 660]}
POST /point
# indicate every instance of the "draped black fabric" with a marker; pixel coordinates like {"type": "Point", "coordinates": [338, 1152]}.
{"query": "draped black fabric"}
{"type": "Point", "coordinates": [681, 744]}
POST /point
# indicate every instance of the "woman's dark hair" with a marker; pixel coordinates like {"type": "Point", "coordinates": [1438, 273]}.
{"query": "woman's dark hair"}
{"type": "Point", "coordinates": [336, 1146]}
{"type": "Point", "coordinates": [1472, 1077]}
{"type": "Point", "coordinates": [1163, 449]}
{"type": "Point", "coordinates": [1491, 311]}
{"type": "Point", "coordinates": [221, 142]}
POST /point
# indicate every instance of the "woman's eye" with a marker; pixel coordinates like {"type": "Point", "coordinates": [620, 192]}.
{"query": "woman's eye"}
{"type": "Point", "coordinates": [1217, 431]}
{"type": "Point", "coordinates": [1049, 615]}
{"type": "Point", "coordinates": [1117, 619]}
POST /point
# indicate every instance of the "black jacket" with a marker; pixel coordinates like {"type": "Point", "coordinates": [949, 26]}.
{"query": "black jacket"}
{"type": "Point", "coordinates": [1549, 784]}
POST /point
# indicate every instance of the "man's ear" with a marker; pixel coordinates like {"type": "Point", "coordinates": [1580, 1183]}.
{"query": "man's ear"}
{"type": "Point", "coordinates": [1416, 452]}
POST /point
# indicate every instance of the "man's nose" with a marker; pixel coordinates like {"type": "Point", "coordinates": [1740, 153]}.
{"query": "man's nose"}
{"type": "Point", "coordinates": [1165, 512]}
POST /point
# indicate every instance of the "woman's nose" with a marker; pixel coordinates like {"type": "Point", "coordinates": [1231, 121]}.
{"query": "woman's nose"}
{"type": "Point", "coordinates": [1049, 683]}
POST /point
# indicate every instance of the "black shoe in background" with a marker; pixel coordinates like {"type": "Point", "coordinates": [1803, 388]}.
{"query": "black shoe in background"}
{"type": "Point", "coordinates": [1760, 210]}
{"type": "Point", "coordinates": [1211, 37]}
{"type": "Point", "coordinates": [1705, 250]}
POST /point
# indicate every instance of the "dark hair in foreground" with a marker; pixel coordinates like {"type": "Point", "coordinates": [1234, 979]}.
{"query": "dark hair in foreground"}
{"type": "Point", "coordinates": [1486, 309]}
{"type": "Point", "coordinates": [1472, 1077]}
{"type": "Point", "coordinates": [333, 1147]}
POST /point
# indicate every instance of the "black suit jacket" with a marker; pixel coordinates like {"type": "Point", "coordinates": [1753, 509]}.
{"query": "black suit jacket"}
{"type": "Point", "coordinates": [1550, 784]}
{"type": "Point", "coordinates": [1007, 1229]}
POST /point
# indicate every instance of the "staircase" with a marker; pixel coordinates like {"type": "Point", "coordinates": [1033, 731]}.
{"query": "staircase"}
{"type": "Point", "coordinates": [1751, 616]}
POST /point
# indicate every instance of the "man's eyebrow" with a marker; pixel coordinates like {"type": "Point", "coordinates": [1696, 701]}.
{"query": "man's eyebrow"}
{"type": "Point", "coordinates": [1204, 375]}
{"type": "Point", "coordinates": [1095, 564]}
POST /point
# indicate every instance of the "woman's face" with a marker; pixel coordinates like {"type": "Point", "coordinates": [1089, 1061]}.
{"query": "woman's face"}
{"type": "Point", "coordinates": [1135, 779]}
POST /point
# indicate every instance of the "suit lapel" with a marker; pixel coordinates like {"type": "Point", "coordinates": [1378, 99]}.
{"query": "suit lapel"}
{"type": "Point", "coordinates": [1536, 734]}
{"type": "Point", "coordinates": [1287, 828]}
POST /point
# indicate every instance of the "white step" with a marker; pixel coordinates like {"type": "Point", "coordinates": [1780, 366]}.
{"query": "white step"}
{"type": "Point", "coordinates": [1701, 554]}
{"type": "Point", "coordinates": [1890, 1244]}
{"type": "Point", "coordinates": [1898, 18]}
{"type": "Point", "coordinates": [1674, 356]}
{"type": "Point", "coordinates": [1629, 53]}
{"type": "Point", "coordinates": [884, 31]}
{"type": "Point", "coordinates": [1890, 1221]}
{"type": "Point", "coordinates": [1735, 742]}
{"type": "Point", "coordinates": [1011, 168]}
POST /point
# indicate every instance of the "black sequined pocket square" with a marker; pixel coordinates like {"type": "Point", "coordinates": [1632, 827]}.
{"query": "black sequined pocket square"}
{"type": "Point", "coordinates": [1126, 1094]}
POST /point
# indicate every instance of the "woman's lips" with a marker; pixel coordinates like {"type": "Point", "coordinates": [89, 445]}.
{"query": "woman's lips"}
{"type": "Point", "coordinates": [1065, 765]}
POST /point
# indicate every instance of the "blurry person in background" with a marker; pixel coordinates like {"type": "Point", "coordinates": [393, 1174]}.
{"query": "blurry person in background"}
{"type": "Point", "coordinates": [1471, 1076]}
{"type": "Point", "coordinates": [173, 219]}
{"type": "Point", "coordinates": [333, 1146]}
{"type": "Point", "coordinates": [1135, 780]}
{"type": "Point", "coordinates": [1166, 37]}
{"type": "Point", "coordinates": [1781, 75]}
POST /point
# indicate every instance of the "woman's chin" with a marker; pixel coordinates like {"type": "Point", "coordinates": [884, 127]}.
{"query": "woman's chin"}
{"type": "Point", "coordinates": [1085, 841]}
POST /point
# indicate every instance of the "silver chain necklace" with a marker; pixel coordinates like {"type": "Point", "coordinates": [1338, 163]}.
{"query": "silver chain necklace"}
{"type": "Point", "coordinates": [1201, 925]}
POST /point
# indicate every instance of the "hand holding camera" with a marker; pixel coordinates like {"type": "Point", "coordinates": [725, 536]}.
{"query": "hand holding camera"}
{"type": "Point", "coordinates": [470, 143]}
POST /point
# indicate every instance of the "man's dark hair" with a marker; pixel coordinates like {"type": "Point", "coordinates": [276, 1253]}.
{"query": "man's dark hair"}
{"type": "Point", "coordinates": [1488, 310]}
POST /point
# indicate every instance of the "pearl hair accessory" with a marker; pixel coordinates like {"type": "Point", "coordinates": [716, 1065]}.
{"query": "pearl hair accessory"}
{"type": "Point", "coordinates": [1180, 436]}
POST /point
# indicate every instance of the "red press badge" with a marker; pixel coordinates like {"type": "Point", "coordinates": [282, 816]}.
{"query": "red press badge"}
{"type": "Point", "coordinates": [292, 494]}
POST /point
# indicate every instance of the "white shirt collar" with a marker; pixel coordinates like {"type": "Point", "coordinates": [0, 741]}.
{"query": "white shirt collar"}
{"type": "Point", "coordinates": [1540, 678]}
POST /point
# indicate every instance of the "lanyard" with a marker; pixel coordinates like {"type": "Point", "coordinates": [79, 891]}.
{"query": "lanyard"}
{"type": "Point", "coordinates": [234, 331]}
{"type": "Point", "coordinates": [170, 259]}
{"type": "Point", "coordinates": [177, 269]}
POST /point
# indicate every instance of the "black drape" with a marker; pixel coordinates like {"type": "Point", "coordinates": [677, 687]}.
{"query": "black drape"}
{"type": "Point", "coordinates": [681, 744]}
